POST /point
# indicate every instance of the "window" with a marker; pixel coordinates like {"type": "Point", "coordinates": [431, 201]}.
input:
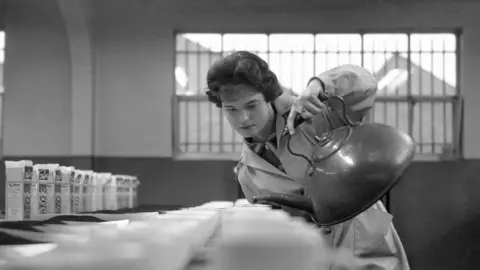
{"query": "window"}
{"type": "Point", "coordinates": [393, 79]}
{"type": "Point", "coordinates": [2, 65]}
{"type": "Point", "coordinates": [417, 76]}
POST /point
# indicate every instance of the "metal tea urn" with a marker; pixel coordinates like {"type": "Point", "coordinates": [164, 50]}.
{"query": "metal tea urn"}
{"type": "Point", "coordinates": [352, 168]}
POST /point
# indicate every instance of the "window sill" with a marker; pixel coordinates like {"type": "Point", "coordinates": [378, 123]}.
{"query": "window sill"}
{"type": "Point", "coordinates": [434, 157]}
{"type": "Point", "coordinates": [236, 156]}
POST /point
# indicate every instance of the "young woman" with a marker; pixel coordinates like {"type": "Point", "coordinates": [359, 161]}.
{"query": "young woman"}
{"type": "Point", "coordinates": [255, 106]}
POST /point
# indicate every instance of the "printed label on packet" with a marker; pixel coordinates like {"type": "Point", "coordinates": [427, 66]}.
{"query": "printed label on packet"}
{"type": "Point", "coordinates": [43, 174]}
{"type": "Point", "coordinates": [28, 173]}
{"type": "Point", "coordinates": [42, 202]}
{"type": "Point", "coordinates": [34, 199]}
{"type": "Point", "coordinates": [77, 193]}
{"type": "Point", "coordinates": [14, 201]}
{"type": "Point", "coordinates": [85, 198]}
{"type": "Point", "coordinates": [78, 179]}
{"type": "Point", "coordinates": [76, 196]}
{"type": "Point", "coordinates": [72, 187]}
{"type": "Point", "coordinates": [27, 199]}
{"type": "Point", "coordinates": [14, 189]}
{"type": "Point", "coordinates": [58, 191]}
{"type": "Point", "coordinates": [42, 191]}
{"type": "Point", "coordinates": [58, 198]}
{"type": "Point", "coordinates": [58, 176]}
{"type": "Point", "coordinates": [72, 178]}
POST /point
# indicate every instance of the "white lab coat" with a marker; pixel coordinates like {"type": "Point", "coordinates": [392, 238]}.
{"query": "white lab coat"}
{"type": "Point", "coordinates": [370, 236]}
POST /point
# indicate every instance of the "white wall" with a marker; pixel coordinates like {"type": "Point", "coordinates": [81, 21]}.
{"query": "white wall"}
{"type": "Point", "coordinates": [37, 81]}
{"type": "Point", "coordinates": [132, 64]}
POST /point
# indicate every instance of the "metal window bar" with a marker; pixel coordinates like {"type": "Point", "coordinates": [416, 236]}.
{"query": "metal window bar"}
{"type": "Point", "coordinates": [425, 105]}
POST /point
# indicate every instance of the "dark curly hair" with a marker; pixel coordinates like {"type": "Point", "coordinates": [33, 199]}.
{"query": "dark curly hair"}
{"type": "Point", "coordinates": [238, 68]}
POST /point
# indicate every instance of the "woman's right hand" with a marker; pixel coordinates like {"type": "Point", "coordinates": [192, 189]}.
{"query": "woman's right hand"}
{"type": "Point", "coordinates": [307, 105]}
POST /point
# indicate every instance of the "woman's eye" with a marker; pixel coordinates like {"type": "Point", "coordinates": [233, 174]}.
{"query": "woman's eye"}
{"type": "Point", "coordinates": [252, 106]}
{"type": "Point", "coordinates": [230, 109]}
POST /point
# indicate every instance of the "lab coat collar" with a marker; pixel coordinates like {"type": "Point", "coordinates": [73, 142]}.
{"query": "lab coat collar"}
{"type": "Point", "coordinates": [252, 159]}
{"type": "Point", "coordinates": [282, 105]}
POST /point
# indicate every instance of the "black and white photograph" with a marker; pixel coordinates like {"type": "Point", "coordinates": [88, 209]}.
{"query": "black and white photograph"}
{"type": "Point", "coordinates": [240, 134]}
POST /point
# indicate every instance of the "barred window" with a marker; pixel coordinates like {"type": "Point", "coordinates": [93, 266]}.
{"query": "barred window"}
{"type": "Point", "coordinates": [2, 65]}
{"type": "Point", "coordinates": [416, 73]}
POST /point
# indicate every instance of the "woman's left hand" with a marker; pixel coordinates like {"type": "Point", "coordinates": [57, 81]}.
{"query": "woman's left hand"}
{"type": "Point", "coordinates": [306, 105]}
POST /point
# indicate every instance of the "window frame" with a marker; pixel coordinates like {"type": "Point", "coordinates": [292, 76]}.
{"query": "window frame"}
{"type": "Point", "coordinates": [456, 100]}
{"type": "Point", "coordinates": [2, 95]}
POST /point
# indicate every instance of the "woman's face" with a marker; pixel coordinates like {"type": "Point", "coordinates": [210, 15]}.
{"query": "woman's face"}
{"type": "Point", "coordinates": [246, 110]}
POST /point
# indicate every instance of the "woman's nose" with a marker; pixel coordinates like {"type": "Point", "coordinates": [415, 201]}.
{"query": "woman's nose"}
{"type": "Point", "coordinates": [243, 116]}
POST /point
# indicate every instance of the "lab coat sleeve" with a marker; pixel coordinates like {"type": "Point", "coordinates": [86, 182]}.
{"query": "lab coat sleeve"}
{"type": "Point", "coordinates": [355, 84]}
{"type": "Point", "coordinates": [377, 245]}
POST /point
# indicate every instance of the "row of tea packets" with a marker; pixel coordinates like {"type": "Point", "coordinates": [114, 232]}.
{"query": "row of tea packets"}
{"type": "Point", "coordinates": [33, 190]}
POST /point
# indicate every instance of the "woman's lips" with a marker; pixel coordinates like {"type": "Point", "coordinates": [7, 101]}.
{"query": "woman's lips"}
{"type": "Point", "coordinates": [247, 127]}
